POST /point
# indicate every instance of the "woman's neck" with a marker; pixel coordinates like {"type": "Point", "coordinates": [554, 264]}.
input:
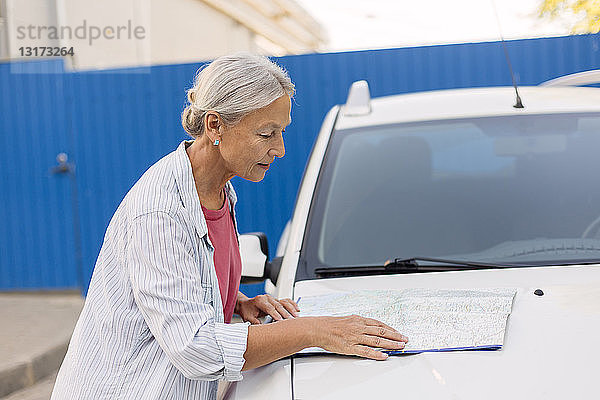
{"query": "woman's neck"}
{"type": "Point", "coordinates": [210, 175]}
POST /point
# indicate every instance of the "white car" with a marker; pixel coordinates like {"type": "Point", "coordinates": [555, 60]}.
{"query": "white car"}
{"type": "Point", "coordinates": [459, 175]}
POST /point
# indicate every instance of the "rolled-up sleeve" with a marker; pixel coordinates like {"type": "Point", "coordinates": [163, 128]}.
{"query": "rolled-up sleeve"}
{"type": "Point", "coordinates": [167, 287]}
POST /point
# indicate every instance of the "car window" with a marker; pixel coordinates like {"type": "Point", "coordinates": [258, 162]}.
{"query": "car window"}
{"type": "Point", "coordinates": [499, 189]}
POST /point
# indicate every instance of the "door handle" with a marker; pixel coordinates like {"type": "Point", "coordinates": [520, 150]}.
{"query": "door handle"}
{"type": "Point", "coordinates": [63, 166]}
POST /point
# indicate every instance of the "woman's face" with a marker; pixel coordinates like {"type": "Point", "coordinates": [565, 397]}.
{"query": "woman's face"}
{"type": "Point", "coordinates": [250, 146]}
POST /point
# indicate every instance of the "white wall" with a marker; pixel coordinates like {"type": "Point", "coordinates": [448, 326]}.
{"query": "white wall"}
{"type": "Point", "coordinates": [127, 46]}
{"type": "Point", "coordinates": [3, 31]}
{"type": "Point", "coordinates": [21, 14]}
{"type": "Point", "coordinates": [190, 30]}
{"type": "Point", "coordinates": [73, 21]}
{"type": "Point", "coordinates": [168, 31]}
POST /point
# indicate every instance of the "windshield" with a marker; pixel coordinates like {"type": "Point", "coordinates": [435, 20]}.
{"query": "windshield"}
{"type": "Point", "coordinates": [501, 189]}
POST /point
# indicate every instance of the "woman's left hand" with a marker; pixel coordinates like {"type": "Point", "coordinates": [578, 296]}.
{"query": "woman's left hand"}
{"type": "Point", "coordinates": [251, 309]}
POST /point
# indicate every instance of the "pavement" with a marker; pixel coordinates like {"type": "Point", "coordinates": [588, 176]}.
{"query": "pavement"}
{"type": "Point", "coordinates": [35, 330]}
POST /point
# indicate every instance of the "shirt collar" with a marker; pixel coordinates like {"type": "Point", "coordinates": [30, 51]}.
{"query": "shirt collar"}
{"type": "Point", "coordinates": [187, 188]}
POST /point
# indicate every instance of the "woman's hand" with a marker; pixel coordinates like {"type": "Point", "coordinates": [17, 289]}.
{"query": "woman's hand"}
{"type": "Point", "coordinates": [351, 335]}
{"type": "Point", "coordinates": [251, 309]}
{"type": "Point", "coordinates": [355, 335]}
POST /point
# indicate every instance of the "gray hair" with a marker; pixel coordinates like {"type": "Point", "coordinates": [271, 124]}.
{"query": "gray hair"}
{"type": "Point", "coordinates": [233, 86]}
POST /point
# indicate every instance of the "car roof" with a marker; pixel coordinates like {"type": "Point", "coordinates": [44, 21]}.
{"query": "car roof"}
{"type": "Point", "coordinates": [471, 103]}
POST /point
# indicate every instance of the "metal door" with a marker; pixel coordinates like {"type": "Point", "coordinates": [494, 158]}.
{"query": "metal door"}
{"type": "Point", "coordinates": [37, 238]}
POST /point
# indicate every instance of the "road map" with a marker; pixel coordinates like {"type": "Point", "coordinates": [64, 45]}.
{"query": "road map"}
{"type": "Point", "coordinates": [432, 319]}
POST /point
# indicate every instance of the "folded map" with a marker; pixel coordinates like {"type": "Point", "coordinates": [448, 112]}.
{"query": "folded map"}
{"type": "Point", "coordinates": [432, 319]}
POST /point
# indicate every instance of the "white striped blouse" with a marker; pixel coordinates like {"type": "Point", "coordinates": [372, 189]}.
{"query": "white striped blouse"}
{"type": "Point", "coordinates": [152, 325]}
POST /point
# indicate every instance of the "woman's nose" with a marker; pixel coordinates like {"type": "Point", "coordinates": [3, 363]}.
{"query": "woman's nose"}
{"type": "Point", "coordinates": [279, 149]}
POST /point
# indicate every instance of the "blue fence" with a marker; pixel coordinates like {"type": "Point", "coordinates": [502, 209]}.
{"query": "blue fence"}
{"type": "Point", "coordinates": [114, 124]}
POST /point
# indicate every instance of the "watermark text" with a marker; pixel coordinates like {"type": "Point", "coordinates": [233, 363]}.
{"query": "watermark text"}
{"type": "Point", "coordinates": [84, 31]}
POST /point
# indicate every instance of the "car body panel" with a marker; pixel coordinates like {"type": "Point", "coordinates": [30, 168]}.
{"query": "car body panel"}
{"type": "Point", "coordinates": [550, 349]}
{"type": "Point", "coordinates": [473, 103]}
{"type": "Point", "coordinates": [272, 381]}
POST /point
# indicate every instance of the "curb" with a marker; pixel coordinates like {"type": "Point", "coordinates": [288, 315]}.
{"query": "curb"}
{"type": "Point", "coordinates": [28, 373]}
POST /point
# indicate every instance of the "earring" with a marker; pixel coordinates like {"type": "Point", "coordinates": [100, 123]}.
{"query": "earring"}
{"type": "Point", "coordinates": [216, 142]}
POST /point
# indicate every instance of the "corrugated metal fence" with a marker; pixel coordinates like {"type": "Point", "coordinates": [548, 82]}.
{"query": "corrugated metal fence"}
{"type": "Point", "coordinates": [114, 124]}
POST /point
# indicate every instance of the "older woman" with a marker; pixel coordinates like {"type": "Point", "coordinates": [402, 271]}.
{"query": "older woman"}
{"type": "Point", "coordinates": [155, 324]}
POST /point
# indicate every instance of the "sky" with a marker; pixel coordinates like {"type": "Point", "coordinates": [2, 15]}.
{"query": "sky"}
{"type": "Point", "coordinates": [372, 24]}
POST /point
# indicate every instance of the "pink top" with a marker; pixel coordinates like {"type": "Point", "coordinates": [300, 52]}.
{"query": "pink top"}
{"type": "Point", "coordinates": [228, 263]}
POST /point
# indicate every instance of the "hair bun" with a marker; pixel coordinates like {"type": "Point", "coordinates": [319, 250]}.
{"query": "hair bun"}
{"type": "Point", "coordinates": [191, 120]}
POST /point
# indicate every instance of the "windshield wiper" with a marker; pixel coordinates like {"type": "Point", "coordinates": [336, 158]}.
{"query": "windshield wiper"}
{"type": "Point", "coordinates": [408, 266]}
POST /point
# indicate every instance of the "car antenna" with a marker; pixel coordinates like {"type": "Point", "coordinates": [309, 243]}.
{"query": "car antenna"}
{"type": "Point", "coordinates": [519, 103]}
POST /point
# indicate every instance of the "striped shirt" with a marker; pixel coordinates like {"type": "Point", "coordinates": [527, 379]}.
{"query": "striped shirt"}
{"type": "Point", "coordinates": [152, 326]}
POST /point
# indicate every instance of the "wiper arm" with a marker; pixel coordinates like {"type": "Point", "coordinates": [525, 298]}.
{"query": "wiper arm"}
{"type": "Point", "coordinates": [412, 263]}
{"type": "Point", "coordinates": [407, 266]}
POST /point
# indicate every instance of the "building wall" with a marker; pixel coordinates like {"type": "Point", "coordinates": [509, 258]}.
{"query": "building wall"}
{"type": "Point", "coordinates": [23, 14]}
{"type": "Point", "coordinates": [129, 49]}
{"type": "Point", "coordinates": [168, 31]}
{"type": "Point", "coordinates": [3, 31]}
{"type": "Point", "coordinates": [190, 30]}
{"type": "Point", "coordinates": [73, 21]}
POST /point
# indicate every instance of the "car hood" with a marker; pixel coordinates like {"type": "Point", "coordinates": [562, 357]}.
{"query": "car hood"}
{"type": "Point", "coordinates": [550, 350]}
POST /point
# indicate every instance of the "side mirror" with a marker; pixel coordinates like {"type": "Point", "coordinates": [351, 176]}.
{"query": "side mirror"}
{"type": "Point", "coordinates": [254, 251]}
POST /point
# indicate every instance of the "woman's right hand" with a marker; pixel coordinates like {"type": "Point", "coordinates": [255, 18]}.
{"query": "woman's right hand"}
{"type": "Point", "coordinates": [352, 335]}
{"type": "Point", "coordinates": [355, 335]}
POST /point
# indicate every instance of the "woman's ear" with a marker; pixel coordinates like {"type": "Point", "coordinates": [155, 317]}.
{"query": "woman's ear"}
{"type": "Point", "coordinates": [212, 124]}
